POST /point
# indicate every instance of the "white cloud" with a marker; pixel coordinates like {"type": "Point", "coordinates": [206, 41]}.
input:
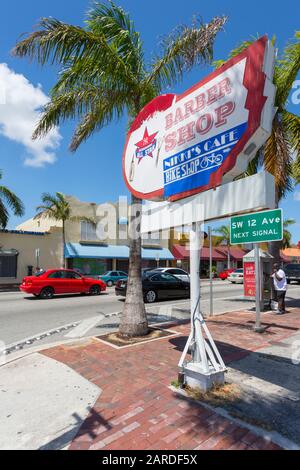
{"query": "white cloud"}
{"type": "Point", "coordinates": [297, 196]}
{"type": "Point", "coordinates": [20, 104]}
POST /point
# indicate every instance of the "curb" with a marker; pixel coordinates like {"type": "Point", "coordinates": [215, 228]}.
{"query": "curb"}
{"type": "Point", "coordinates": [271, 436]}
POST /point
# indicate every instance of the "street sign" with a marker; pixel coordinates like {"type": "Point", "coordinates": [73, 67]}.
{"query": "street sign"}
{"type": "Point", "coordinates": [258, 227]}
{"type": "Point", "coordinates": [180, 145]}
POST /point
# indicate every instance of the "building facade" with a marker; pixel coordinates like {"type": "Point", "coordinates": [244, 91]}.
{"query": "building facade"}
{"type": "Point", "coordinates": [21, 252]}
{"type": "Point", "coordinates": [99, 241]}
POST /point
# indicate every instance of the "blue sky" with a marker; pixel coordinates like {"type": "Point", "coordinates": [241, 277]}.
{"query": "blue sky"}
{"type": "Point", "coordinates": [94, 173]}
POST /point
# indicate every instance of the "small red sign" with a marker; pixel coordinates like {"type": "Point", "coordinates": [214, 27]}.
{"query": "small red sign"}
{"type": "Point", "coordinates": [249, 279]}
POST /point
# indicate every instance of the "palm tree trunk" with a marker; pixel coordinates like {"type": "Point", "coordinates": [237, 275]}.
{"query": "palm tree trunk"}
{"type": "Point", "coordinates": [63, 260]}
{"type": "Point", "coordinates": [134, 319]}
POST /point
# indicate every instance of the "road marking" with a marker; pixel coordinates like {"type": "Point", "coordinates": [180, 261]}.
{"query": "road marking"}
{"type": "Point", "coordinates": [85, 326]}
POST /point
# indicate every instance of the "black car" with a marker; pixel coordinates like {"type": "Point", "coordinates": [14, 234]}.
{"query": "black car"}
{"type": "Point", "coordinates": [157, 286]}
{"type": "Point", "coordinates": [292, 272]}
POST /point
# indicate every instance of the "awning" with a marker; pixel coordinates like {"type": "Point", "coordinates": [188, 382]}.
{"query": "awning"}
{"type": "Point", "coordinates": [77, 250]}
{"type": "Point", "coordinates": [236, 252]}
{"type": "Point", "coordinates": [183, 252]}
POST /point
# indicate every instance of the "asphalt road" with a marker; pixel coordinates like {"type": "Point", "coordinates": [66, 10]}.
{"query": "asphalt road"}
{"type": "Point", "coordinates": [26, 317]}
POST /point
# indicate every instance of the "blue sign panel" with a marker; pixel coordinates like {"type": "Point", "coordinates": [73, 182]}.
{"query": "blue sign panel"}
{"type": "Point", "coordinates": [193, 167]}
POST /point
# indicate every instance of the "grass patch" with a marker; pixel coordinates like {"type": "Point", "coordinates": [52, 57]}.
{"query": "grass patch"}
{"type": "Point", "coordinates": [218, 395]}
{"type": "Point", "coordinates": [121, 341]}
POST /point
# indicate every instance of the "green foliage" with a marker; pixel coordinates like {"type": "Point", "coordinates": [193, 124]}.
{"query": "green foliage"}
{"type": "Point", "coordinates": [57, 207]}
{"type": "Point", "coordinates": [287, 236]}
{"type": "Point", "coordinates": [224, 232]}
{"type": "Point", "coordinates": [103, 73]}
{"type": "Point", "coordinates": [281, 153]}
{"type": "Point", "coordinates": [9, 201]}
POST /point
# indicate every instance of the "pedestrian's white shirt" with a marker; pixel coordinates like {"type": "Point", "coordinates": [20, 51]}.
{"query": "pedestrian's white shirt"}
{"type": "Point", "coordinates": [279, 285]}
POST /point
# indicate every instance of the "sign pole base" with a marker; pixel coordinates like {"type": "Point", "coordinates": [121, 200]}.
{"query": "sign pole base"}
{"type": "Point", "coordinates": [206, 367]}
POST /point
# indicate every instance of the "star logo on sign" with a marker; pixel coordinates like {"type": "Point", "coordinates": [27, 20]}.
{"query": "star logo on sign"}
{"type": "Point", "coordinates": [146, 146]}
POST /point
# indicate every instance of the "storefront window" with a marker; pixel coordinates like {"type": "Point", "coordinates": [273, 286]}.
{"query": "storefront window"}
{"type": "Point", "coordinates": [88, 231]}
{"type": "Point", "coordinates": [8, 263]}
{"type": "Point", "coordinates": [92, 266]}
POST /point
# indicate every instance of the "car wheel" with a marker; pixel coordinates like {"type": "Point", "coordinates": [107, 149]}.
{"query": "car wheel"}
{"type": "Point", "coordinates": [95, 290]}
{"type": "Point", "coordinates": [109, 283]}
{"type": "Point", "coordinates": [47, 293]}
{"type": "Point", "coordinates": [150, 296]}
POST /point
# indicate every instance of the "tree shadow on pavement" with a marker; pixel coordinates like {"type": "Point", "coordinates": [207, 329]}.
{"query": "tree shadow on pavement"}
{"type": "Point", "coordinates": [83, 427]}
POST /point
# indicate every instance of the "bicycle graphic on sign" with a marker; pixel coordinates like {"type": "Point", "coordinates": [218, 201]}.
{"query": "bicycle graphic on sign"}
{"type": "Point", "coordinates": [211, 160]}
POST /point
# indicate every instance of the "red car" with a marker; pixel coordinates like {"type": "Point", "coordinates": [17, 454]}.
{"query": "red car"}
{"type": "Point", "coordinates": [60, 281]}
{"type": "Point", "coordinates": [224, 274]}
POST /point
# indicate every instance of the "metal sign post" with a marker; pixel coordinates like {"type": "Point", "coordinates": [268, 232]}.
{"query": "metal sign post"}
{"type": "Point", "coordinates": [257, 326]}
{"type": "Point", "coordinates": [37, 257]}
{"type": "Point", "coordinates": [210, 273]}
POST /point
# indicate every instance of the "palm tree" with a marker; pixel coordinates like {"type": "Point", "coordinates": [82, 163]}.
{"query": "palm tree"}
{"type": "Point", "coordinates": [58, 208]}
{"type": "Point", "coordinates": [9, 201]}
{"type": "Point", "coordinates": [287, 236]}
{"type": "Point", "coordinates": [103, 76]}
{"type": "Point", "coordinates": [280, 155]}
{"type": "Point", "coordinates": [224, 232]}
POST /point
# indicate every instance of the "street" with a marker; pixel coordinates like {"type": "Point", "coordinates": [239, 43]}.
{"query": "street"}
{"type": "Point", "coordinates": [36, 322]}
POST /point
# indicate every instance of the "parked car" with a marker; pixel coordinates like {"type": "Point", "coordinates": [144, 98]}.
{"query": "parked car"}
{"type": "Point", "coordinates": [224, 274]}
{"type": "Point", "coordinates": [292, 272]}
{"type": "Point", "coordinates": [157, 286]}
{"type": "Point", "coordinates": [111, 277]}
{"type": "Point", "coordinates": [61, 281]}
{"type": "Point", "coordinates": [237, 276]}
{"type": "Point", "coordinates": [177, 272]}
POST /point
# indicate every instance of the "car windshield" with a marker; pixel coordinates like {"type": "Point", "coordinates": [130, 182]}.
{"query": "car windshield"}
{"type": "Point", "coordinates": [238, 271]}
{"type": "Point", "coordinates": [107, 273]}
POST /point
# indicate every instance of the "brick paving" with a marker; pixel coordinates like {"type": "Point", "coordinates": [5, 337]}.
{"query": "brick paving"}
{"type": "Point", "coordinates": [137, 409]}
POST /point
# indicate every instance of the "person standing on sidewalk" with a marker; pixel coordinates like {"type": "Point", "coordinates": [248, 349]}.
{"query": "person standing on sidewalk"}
{"type": "Point", "coordinates": [279, 280]}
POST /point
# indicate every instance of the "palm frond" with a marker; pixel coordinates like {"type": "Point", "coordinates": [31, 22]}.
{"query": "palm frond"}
{"type": "Point", "coordinates": [237, 50]}
{"type": "Point", "coordinates": [58, 43]}
{"type": "Point", "coordinates": [112, 22]}
{"type": "Point", "coordinates": [69, 105]}
{"type": "Point", "coordinates": [4, 216]}
{"type": "Point", "coordinates": [45, 212]}
{"type": "Point", "coordinates": [107, 110]}
{"type": "Point", "coordinates": [287, 70]}
{"type": "Point", "coordinates": [223, 231]}
{"type": "Point", "coordinates": [288, 222]}
{"type": "Point", "coordinates": [183, 49]}
{"type": "Point", "coordinates": [13, 202]}
{"type": "Point", "coordinates": [291, 125]}
{"type": "Point", "coordinates": [278, 158]}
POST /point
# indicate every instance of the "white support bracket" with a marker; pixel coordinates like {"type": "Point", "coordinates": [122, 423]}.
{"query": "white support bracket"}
{"type": "Point", "coordinates": [206, 366]}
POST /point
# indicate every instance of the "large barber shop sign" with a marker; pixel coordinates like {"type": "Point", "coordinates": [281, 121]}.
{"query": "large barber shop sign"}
{"type": "Point", "coordinates": [180, 145]}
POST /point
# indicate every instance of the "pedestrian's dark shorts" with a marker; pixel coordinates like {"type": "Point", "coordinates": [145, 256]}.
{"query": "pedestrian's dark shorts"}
{"type": "Point", "coordinates": [279, 294]}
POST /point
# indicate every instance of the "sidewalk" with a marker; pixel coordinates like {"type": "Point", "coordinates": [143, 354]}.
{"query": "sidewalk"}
{"type": "Point", "coordinates": [138, 410]}
{"type": "Point", "coordinates": [89, 395]}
